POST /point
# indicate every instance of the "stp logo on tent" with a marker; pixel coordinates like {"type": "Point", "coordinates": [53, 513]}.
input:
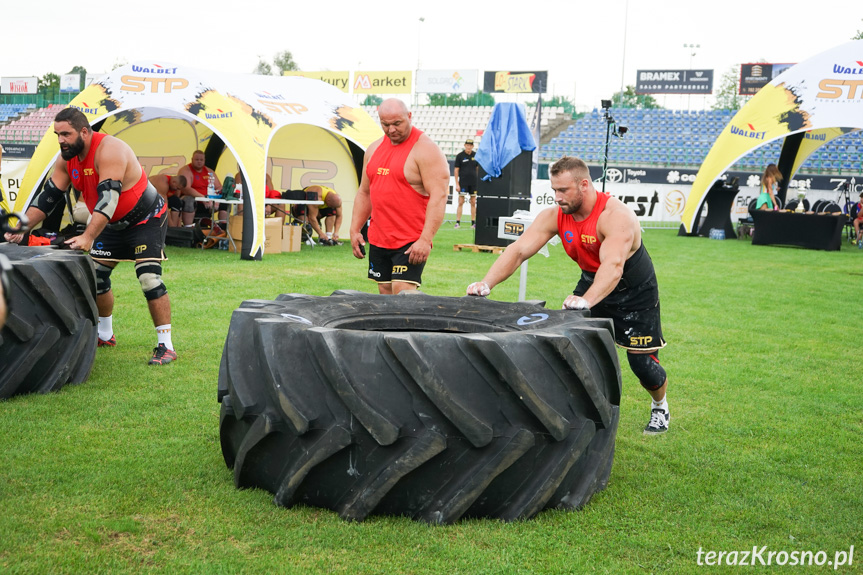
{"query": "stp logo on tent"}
{"type": "Point", "coordinates": [846, 88]}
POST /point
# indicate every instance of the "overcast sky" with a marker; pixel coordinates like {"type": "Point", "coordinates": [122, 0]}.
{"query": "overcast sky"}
{"type": "Point", "coordinates": [588, 48]}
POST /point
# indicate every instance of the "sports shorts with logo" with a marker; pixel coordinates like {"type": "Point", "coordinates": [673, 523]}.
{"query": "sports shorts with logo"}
{"type": "Point", "coordinates": [468, 190]}
{"type": "Point", "coordinates": [142, 241]}
{"type": "Point", "coordinates": [392, 266]}
{"type": "Point", "coordinates": [633, 306]}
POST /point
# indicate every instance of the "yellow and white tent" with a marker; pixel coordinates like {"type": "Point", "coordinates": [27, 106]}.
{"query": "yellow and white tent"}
{"type": "Point", "coordinates": [301, 131]}
{"type": "Point", "coordinates": [819, 99]}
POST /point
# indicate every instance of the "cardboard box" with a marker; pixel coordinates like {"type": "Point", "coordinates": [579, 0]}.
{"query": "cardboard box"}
{"type": "Point", "coordinates": [291, 238]}
{"type": "Point", "coordinates": [235, 227]}
{"type": "Point", "coordinates": [272, 234]}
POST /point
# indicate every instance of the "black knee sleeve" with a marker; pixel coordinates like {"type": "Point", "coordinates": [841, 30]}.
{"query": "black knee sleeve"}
{"type": "Point", "coordinates": [103, 278]}
{"type": "Point", "coordinates": [646, 368]}
{"type": "Point", "coordinates": [150, 276]}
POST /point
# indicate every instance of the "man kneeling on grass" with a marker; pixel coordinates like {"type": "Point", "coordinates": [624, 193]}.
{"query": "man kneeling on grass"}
{"type": "Point", "coordinates": [603, 236]}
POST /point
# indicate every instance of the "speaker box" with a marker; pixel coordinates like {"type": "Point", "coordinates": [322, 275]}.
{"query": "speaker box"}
{"type": "Point", "coordinates": [514, 180]}
{"type": "Point", "coordinates": [488, 211]}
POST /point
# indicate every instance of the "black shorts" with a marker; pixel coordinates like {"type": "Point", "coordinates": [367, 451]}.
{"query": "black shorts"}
{"type": "Point", "coordinates": [326, 212]}
{"type": "Point", "coordinates": [633, 306]}
{"type": "Point", "coordinates": [175, 204]}
{"type": "Point", "coordinates": [387, 266]}
{"type": "Point", "coordinates": [468, 190]}
{"type": "Point", "coordinates": [299, 211]}
{"type": "Point", "coordinates": [140, 242]}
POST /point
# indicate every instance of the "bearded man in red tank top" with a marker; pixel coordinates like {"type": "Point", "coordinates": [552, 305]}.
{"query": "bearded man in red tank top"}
{"type": "Point", "coordinates": [128, 221]}
{"type": "Point", "coordinates": [603, 236]}
{"type": "Point", "coordinates": [404, 188]}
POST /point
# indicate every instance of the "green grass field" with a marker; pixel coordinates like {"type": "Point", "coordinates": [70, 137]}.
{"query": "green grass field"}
{"type": "Point", "coordinates": [124, 473]}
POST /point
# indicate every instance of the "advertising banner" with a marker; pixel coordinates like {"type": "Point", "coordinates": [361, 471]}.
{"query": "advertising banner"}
{"type": "Point", "coordinates": [341, 80]}
{"type": "Point", "coordinates": [448, 81]}
{"type": "Point", "coordinates": [70, 83]}
{"type": "Point", "coordinates": [674, 82]}
{"type": "Point", "coordinates": [383, 82]}
{"type": "Point", "coordinates": [508, 82]}
{"type": "Point", "coordinates": [28, 85]}
{"type": "Point", "coordinates": [753, 77]}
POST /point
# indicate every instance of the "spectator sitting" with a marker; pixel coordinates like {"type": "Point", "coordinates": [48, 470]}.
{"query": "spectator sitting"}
{"type": "Point", "coordinates": [170, 188]}
{"type": "Point", "coordinates": [197, 177]}
{"type": "Point", "coordinates": [330, 212]}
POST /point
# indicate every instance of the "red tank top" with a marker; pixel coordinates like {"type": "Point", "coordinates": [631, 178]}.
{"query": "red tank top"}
{"type": "Point", "coordinates": [398, 210]}
{"type": "Point", "coordinates": [85, 179]}
{"type": "Point", "coordinates": [579, 238]}
{"type": "Point", "coordinates": [200, 180]}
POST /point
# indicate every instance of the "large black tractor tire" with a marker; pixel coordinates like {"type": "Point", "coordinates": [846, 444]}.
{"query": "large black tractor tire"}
{"type": "Point", "coordinates": [436, 408]}
{"type": "Point", "coordinates": [49, 338]}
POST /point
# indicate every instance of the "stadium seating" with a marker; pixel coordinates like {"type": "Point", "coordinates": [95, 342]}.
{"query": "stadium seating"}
{"type": "Point", "coordinates": [682, 139]}
{"type": "Point", "coordinates": [28, 124]}
{"type": "Point", "coordinates": [654, 137]}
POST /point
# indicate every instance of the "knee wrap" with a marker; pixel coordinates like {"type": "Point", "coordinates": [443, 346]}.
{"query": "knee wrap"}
{"type": "Point", "coordinates": [103, 278]}
{"type": "Point", "coordinates": [188, 204]}
{"type": "Point", "coordinates": [150, 275]}
{"type": "Point", "coordinates": [646, 368]}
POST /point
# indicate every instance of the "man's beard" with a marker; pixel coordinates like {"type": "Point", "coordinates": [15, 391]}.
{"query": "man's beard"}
{"type": "Point", "coordinates": [72, 150]}
{"type": "Point", "coordinates": [569, 209]}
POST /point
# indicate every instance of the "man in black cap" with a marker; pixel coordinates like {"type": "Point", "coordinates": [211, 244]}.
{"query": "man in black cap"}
{"type": "Point", "coordinates": [465, 181]}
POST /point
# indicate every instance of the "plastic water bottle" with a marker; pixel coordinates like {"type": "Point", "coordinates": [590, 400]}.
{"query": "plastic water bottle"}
{"type": "Point", "coordinates": [211, 185]}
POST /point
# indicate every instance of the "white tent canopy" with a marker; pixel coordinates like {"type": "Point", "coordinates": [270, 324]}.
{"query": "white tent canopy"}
{"type": "Point", "coordinates": [306, 130]}
{"type": "Point", "coordinates": [821, 98]}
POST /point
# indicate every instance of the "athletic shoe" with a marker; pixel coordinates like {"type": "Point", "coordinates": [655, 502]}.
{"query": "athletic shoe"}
{"type": "Point", "coordinates": [162, 355]}
{"type": "Point", "coordinates": [106, 343]}
{"type": "Point", "coordinates": [659, 420]}
{"type": "Point", "coordinates": [473, 226]}
{"type": "Point", "coordinates": [456, 226]}
{"type": "Point", "coordinates": [327, 242]}
{"type": "Point", "coordinates": [860, 245]}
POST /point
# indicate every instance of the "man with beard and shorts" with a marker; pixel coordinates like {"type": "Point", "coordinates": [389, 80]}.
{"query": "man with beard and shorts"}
{"type": "Point", "coordinates": [404, 189]}
{"type": "Point", "coordinates": [127, 224]}
{"type": "Point", "coordinates": [603, 236]}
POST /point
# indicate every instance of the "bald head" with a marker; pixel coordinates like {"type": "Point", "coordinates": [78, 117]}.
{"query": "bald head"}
{"type": "Point", "coordinates": [395, 120]}
{"type": "Point", "coordinates": [393, 106]}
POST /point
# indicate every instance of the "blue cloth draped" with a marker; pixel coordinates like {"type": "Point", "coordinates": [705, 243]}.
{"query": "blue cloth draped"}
{"type": "Point", "coordinates": [505, 137]}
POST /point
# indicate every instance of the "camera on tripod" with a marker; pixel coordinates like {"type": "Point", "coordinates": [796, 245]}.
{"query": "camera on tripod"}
{"type": "Point", "coordinates": [617, 130]}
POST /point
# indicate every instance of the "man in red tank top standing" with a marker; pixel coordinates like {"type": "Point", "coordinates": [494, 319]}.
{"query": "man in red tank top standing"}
{"type": "Point", "coordinates": [603, 236]}
{"type": "Point", "coordinates": [128, 221]}
{"type": "Point", "coordinates": [404, 189]}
